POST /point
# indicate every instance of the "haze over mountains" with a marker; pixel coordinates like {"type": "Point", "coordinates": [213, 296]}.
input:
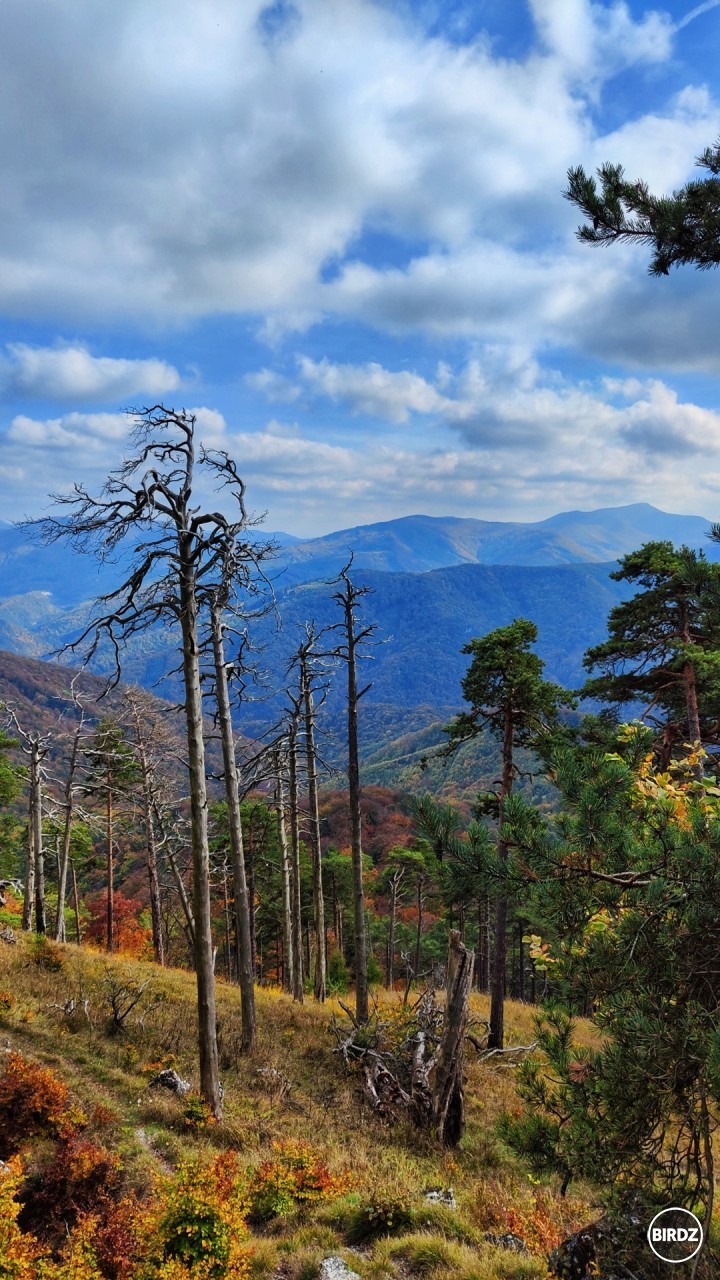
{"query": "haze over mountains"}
{"type": "Point", "coordinates": [435, 583]}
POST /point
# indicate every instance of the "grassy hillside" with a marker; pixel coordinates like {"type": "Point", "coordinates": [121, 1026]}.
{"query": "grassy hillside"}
{"type": "Point", "coordinates": [292, 1090]}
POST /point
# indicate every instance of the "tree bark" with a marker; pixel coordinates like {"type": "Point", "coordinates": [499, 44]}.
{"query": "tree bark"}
{"type": "Point", "coordinates": [246, 958]}
{"type": "Point", "coordinates": [287, 975]}
{"type": "Point", "coordinates": [297, 941]}
{"type": "Point", "coordinates": [76, 904]}
{"type": "Point", "coordinates": [69, 798]}
{"type": "Point", "coordinates": [497, 982]}
{"type": "Point", "coordinates": [319, 977]}
{"type": "Point", "coordinates": [36, 802]}
{"type": "Point", "coordinates": [448, 1097]}
{"type": "Point", "coordinates": [110, 872]}
{"type": "Point", "coordinates": [207, 1017]}
{"type": "Point", "coordinates": [394, 887]}
{"type": "Point", "coordinates": [354, 796]}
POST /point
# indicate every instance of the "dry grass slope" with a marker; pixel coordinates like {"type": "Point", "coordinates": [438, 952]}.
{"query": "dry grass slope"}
{"type": "Point", "coordinates": [292, 1088]}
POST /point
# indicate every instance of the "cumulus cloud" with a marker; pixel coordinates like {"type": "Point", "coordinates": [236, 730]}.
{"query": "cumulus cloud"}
{"type": "Point", "coordinates": [72, 373]}
{"type": "Point", "coordinates": [282, 133]}
{"type": "Point", "coordinates": [92, 431]}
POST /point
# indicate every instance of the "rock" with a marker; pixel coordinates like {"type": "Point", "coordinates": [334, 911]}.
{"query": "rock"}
{"type": "Point", "coordinates": [441, 1195]}
{"type": "Point", "coordinates": [506, 1241]}
{"type": "Point", "coordinates": [334, 1268]}
{"type": "Point", "coordinates": [169, 1079]}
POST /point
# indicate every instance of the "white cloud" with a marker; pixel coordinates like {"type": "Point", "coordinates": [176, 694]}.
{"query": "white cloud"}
{"type": "Point", "coordinates": [372, 389]}
{"type": "Point", "coordinates": [72, 373]}
{"type": "Point", "coordinates": [92, 431]}
{"type": "Point", "coordinates": [597, 40]}
{"type": "Point", "coordinates": [228, 184]}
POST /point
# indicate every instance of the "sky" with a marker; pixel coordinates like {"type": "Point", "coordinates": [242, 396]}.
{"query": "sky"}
{"type": "Point", "coordinates": [335, 230]}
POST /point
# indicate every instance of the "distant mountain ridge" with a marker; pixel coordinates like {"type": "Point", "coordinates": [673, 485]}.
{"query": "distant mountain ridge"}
{"type": "Point", "coordinates": [418, 544]}
{"type": "Point", "coordinates": [435, 582]}
{"type": "Point", "coordinates": [409, 544]}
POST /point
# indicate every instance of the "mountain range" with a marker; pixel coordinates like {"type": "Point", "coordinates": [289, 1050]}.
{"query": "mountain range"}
{"type": "Point", "coordinates": [435, 582]}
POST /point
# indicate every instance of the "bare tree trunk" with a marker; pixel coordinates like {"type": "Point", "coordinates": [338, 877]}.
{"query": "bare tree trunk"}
{"type": "Point", "coordinates": [36, 802]}
{"type": "Point", "coordinates": [29, 891]}
{"type": "Point", "coordinates": [226, 912]}
{"type": "Point", "coordinates": [497, 982]}
{"type": "Point", "coordinates": [319, 982]}
{"type": "Point", "coordinates": [150, 841]}
{"type": "Point", "coordinates": [297, 947]}
{"type": "Point", "coordinates": [394, 890]}
{"type": "Point", "coordinates": [361, 979]}
{"type": "Point", "coordinates": [184, 900]}
{"type": "Point", "coordinates": [110, 943]}
{"type": "Point", "coordinates": [69, 799]}
{"type": "Point", "coordinates": [287, 974]}
{"type": "Point", "coordinates": [76, 904]}
{"type": "Point", "coordinates": [207, 1017]}
{"type": "Point", "coordinates": [246, 957]}
{"type": "Point", "coordinates": [448, 1097]}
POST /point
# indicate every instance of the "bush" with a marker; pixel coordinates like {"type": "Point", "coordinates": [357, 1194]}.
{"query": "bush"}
{"type": "Point", "coordinates": [18, 1252]}
{"type": "Point", "coordinates": [385, 1211]}
{"type": "Point", "coordinates": [201, 1228]}
{"type": "Point", "coordinates": [7, 1001]}
{"type": "Point", "coordinates": [32, 1101]}
{"type": "Point", "coordinates": [46, 954]}
{"type": "Point", "coordinates": [196, 1113]}
{"type": "Point", "coordinates": [297, 1175]}
{"type": "Point", "coordinates": [81, 1178]}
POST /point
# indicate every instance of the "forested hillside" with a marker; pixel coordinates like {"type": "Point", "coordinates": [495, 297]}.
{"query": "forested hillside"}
{"type": "Point", "coordinates": [531, 854]}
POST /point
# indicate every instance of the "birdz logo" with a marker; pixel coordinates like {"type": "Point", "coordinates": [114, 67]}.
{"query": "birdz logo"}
{"type": "Point", "coordinates": [675, 1235]}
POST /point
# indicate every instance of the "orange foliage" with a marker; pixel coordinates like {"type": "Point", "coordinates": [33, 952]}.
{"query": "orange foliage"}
{"type": "Point", "coordinates": [32, 1101]}
{"type": "Point", "coordinates": [297, 1175]}
{"type": "Point", "coordinates": [130, 937]}
{"type": "Point", "coordinates": [19, 1252]}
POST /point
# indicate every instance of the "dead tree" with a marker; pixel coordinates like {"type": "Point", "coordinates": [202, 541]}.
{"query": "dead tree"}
{"type": "Point", "coordinates": [245, 947]}
{"type": "Point", "coordinates": [285, 873]}
{"type": "Point", "coordinates": [421, 1077]}
{"type": "Point", "coordinates": [448, 1097]}
{"type": "Point", "coordinates": [69, 801]}
{"type": "Point", "coordinates": [348, 597]}
{"type": "Point", "coordinates": [294, 803]}
{"type": "Point", "coordinates": [148, 505]}
{"type": "Point", "coordinates": [113, 773]}
{"type": "Point", "coordinates": [36, 747]}
{"type": "Point", "coordinates": [305, 662]}
{"type": "Point", "coordinates": [154, 742]}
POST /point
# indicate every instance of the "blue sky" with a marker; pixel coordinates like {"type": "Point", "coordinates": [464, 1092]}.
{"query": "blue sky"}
{"type": "Point", "coordinates": [336, 231]}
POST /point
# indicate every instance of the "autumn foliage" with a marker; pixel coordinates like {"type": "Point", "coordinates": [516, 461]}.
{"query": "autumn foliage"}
{"type": "Point", "coordinates": [130, 937]}
{"type": "Point", "coordinates": [80, 1221]}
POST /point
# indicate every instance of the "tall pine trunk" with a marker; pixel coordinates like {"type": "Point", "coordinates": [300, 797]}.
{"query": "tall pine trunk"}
{"type": "Point", "coordinates": [207, 1017]}
{"type": "Point", "coordinates": [497, 981]}
{"type": "Point", "coordinates": [295, 904]}
{"type": "Point", "coordinates": [246, 957]}
{"type": "Point", "coordinates": [287, 975]}
{"type": "Point", "coordinates": [361, 978]}
{"type": "Point", "coordinates": [69, 799]}
{"type": "Point", "coordinates": [110, 869]}
{"type": "Point", "coordinates": [36, 801]}
{"type": "Point", "coordinates": [319, 977]}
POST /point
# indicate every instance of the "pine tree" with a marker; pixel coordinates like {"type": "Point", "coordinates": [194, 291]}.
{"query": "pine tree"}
{"type": "Point", "coordinates": [509, 699]}
{"type": "Point", "coordinates": [664, 643]}
{"type": "Point", "coordinates": [681, 229]}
